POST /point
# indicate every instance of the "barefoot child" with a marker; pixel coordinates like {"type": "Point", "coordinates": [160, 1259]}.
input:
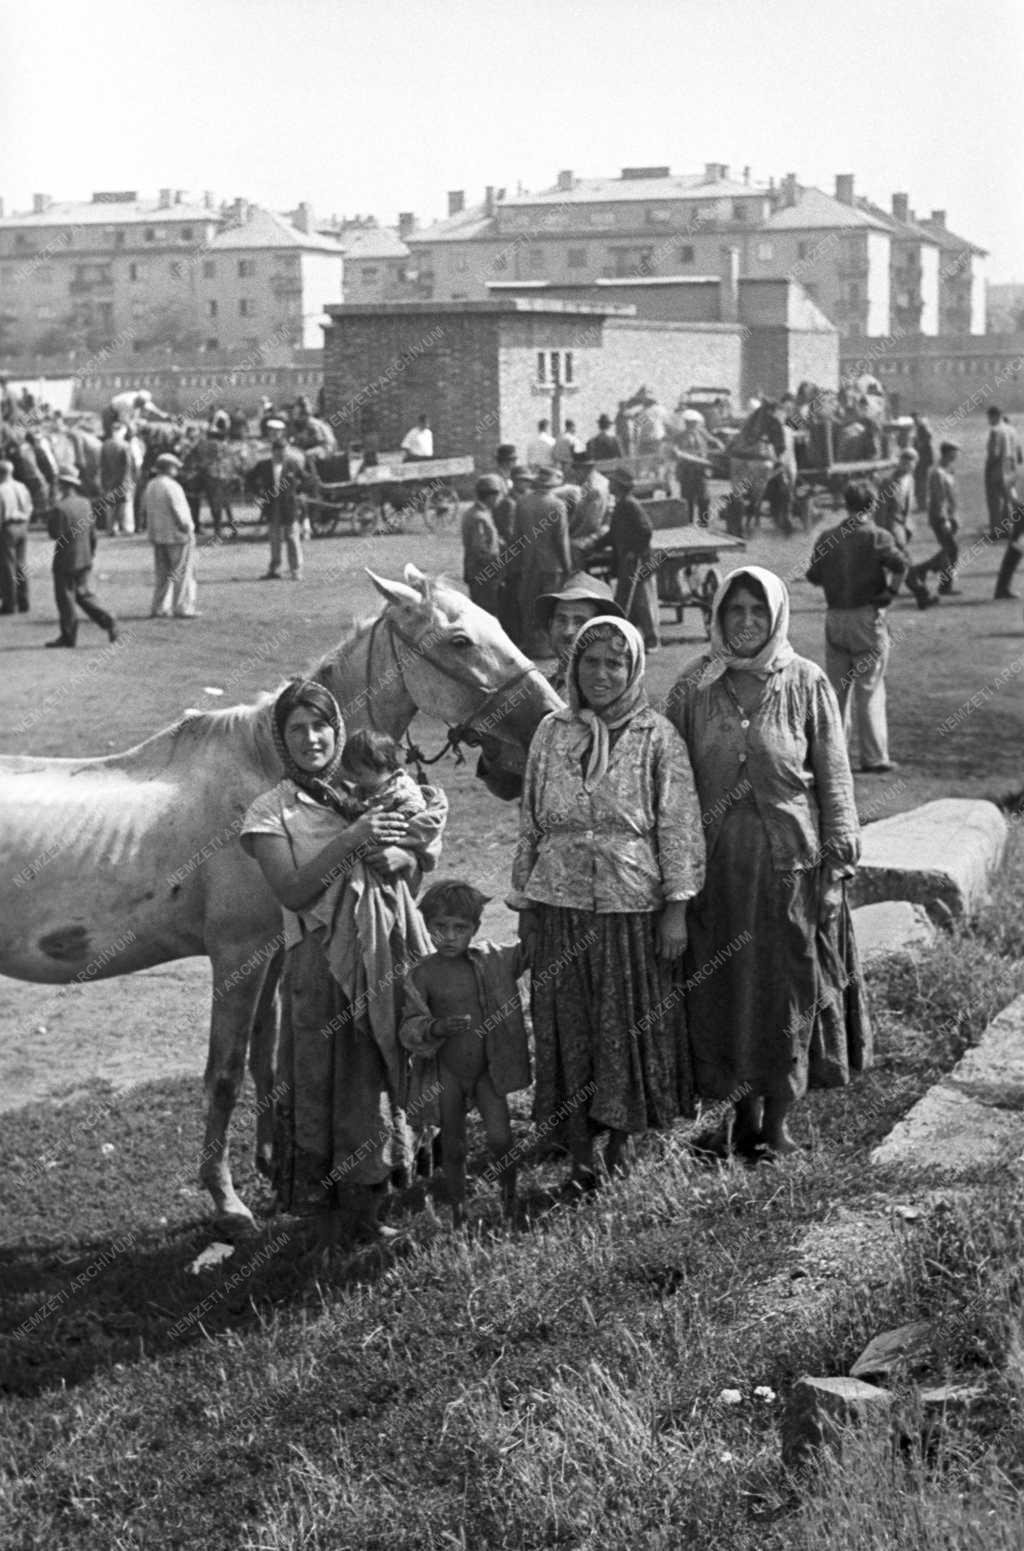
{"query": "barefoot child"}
{"type": "Point", "coordinates": [463, 1022]}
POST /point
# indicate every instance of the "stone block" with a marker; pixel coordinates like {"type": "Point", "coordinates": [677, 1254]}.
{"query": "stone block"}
{"type": "Point", "coordinates": [942, 856]}
{"type": "Point", "coordinates": [891, 926]}
{"type": "Point", "coordinates": [975, 1115]}
{"type": "Point", "coordinates": [818, 1409]}
{"type": "Point", "coordinates": [904, 1346]}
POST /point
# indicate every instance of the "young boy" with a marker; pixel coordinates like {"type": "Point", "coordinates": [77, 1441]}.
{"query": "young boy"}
{"type": "Point", "coordinates": [463, 1023]}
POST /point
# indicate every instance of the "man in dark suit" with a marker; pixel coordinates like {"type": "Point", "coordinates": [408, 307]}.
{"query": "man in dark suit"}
{"type": "Point", "coordinates": [278, 484]}
{"type": "Point", "coordinates": [73, 528]}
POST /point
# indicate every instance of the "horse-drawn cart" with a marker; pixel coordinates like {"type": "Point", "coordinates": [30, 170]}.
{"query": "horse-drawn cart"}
{"type": "Point", "coordinates": [687, 559]}
{"type": "Point", "coordinates": [383, 497]}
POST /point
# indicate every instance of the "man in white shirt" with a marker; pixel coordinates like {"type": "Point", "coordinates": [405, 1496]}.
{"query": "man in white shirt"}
{"type": "Point", "coordinates": [419, 442]}
{"type": "Point", "coordinates": [567, 446]}
{"type": "Point", "coordinates": [15, 511]}
{"type": "Point", "coordinates": [540, 449]}
{"type": "Point", "coordinates": [172, 535]}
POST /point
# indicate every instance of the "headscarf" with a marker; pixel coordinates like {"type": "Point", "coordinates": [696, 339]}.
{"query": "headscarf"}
{"type": "Point", "coordinates": [595, 727]}
{"type": "Point", "coordinates": [307, 692]}
{"type": "Point", "coordinates": [776, 653]}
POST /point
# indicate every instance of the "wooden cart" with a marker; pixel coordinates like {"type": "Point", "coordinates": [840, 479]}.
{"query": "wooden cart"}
{"type": "Point", "coordinates": [688, 559]}
{"type": "Point", "coordinates": [384, 498]}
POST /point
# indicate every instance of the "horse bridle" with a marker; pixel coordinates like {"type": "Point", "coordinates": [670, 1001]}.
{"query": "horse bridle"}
{"type": "Point", "coordinates": [462, 732]}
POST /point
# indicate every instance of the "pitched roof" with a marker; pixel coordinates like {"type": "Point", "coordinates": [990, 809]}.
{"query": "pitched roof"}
{"type": "Point", "coordinates": [913, 229]}
{"type": "Point", "coordinates": [817, 211]}
{"type": "Point", "coordinates": [949, 241]}
{"type": "Point", "coordinates": [370, 242]}
{"type": "Point", "coordinates": [686, 185]}
{"type": "Point", "coordinates": [88, 212]}
{"type": "Point", "coordinates": [474, 222]}
{"type": "Point", "coordinates": [267, 229]}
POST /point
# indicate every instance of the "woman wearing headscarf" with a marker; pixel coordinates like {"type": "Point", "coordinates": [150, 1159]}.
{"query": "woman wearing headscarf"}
{"type": "Point", "coordinates": [341, 1130]}
{"type": "Point", "coordinates": [610, 850]}
{"type": "Point", "coordinates": [774, 999]}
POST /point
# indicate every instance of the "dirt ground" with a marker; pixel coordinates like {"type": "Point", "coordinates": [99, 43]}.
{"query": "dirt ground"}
{"type": "Point", "coordinates": [54, 1041]}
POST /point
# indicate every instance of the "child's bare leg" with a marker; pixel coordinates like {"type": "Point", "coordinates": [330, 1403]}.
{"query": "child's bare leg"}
{"type": "Point", "coordinates": [453, 1144]}
{"type": "Point", "coordinates": [493, 1109]}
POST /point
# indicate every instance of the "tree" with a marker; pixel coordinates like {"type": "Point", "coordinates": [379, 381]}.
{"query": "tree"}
{"type": "Point", "coordinates": [172, 327]}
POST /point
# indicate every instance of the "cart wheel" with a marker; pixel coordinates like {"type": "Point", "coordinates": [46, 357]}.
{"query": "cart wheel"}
{"type": "Point", "coordinates": [392, 518]}
{"type": "Point", "coordinates": [364, 516]}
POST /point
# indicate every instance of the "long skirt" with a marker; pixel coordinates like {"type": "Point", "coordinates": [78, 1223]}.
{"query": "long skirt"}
{"type": "Point", "coordinates": [609, 1026]}
{"type": "Point", "coordinates": [774, 1002]}
{"type": "Point", "coordinates": [339, 1126]}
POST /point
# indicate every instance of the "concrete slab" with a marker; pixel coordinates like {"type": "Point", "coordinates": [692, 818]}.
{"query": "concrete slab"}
{"type": "Point", "coordinates": [975, 1115]}
{"type": "Point", "coordinates": [942, 856]}
{"type": "Point", "coordinates": [891, 926]}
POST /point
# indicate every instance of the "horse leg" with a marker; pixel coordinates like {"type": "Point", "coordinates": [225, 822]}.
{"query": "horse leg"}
{"type": "Point", "coordinates": [262, 1050]}
{"type": "Point", "coordinates": [230, 1023]}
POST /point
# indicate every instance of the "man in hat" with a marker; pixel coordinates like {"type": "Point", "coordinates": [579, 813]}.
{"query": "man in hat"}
{"type": "Point", "coordinates": [481, 545]}
{"type": "Point", "coordinates": [693, 445]}
{"type": "Point", "coordinates": [171, 532]}
{"type": "Point", "coordinates": [73, 528]}
{"type": "Point", "coordinates": [629, 543]}
{"type": "Point", "coordinates": [945, 524]}
{"type": "Point", "coordinates": [563, 614]}
{"type": "Point", "coordinates": [15, 511]}
{"type": "Point", "coordinates": [604, 446]}
{"type": "Point", "coordinates": [279, 483]}
{"type": "Point", "coordinates": [589, 518]}
{"type": "Point", "coordinates": [117, 480]}
{"type": "Point", "coordinates": [540, 548]}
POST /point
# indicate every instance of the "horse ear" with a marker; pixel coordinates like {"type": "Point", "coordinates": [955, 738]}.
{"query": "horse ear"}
{"type": "Point", "coordinates": [416, 578]}
{"type": "Point", "coordinates": [395, 592]}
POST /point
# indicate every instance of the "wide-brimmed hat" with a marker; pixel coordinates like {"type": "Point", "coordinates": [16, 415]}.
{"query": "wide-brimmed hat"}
{"type": "Point", "coordinates": [506, 452]}
{"type": "Point", "coordinates": [622, 477]}
{"type": "Point", "coordinates": [490, 484]}
{"type": "Point", "coordinates": [166, 462]}
{"type": "Point", "coordinates": [66, 475]}
{"type": "Point", "coordinates": [580, 587]}
{"type": "Point", "coordinates": [548, 478]}
{"type": "Point", "coordinates": [583, 460]}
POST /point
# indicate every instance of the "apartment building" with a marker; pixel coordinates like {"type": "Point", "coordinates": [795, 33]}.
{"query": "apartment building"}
{"type": "Point", "coordinates": [120, 274]}
{"type": "Point", "coordinates": [378, 264]}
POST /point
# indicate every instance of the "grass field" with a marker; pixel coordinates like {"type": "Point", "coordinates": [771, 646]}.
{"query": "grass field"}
{"type": "Point", "coordinates": [559, 1386]}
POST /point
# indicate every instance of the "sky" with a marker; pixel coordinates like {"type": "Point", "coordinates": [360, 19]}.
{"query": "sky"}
{"type": "Point", "coordinates": [366, 106]}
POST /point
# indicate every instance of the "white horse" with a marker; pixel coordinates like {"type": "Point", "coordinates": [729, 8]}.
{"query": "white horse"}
{"type": "Point", "coordinates": [116, 864]}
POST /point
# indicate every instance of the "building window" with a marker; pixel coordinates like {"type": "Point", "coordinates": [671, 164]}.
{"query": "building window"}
{"type": "Point", "coordinates": [176, 270]}
{"type": "Point", "coordinates": [577, 258]}
{"type": "Point", "coordinates": [213, 344]}
{"type": "Point", "coordinates": [739, 210]}
{"type": "Point", "coordinates": [686, 254]}
{"type": "Point", "coordinates": [535, 260]}
{"type": "Point", "coordinates": [500, 262]}
{"type": "Point", "coordinates": [542, 366]}
{"type": "Point", "coordinates": [765, 251]}
{"type": "Point", "coordinates": [660, 217]}
{"type": "Point", "coordinates": [211, 309]}
{"type": "Point", "coordinates": [22, 241]}
{"type": "Point", "coordinates": [802, 249]}
{"type": "Point", "coordinates": [186, 234]}
{"type": "Point", "coordinates": [119, 239]}
{"type": "Point", "coordinates": [246, 269]}
{"type": "Point", "coordinates": [567, 373]}
{"type": "Point", "coordinates": [209, 269]}
{"type": "Point", "coordinates": [368, 274]}
{"type": "Point", "coordinates": [853, 292]}
{"type": "Point", "coordinates": [133, 271]}
{"type": "Point", "coordinates": [246, 308]}
{"type": "Point", "coordinates": [149, 235]}
{"type": "Point", "coordinates": [251, 342]}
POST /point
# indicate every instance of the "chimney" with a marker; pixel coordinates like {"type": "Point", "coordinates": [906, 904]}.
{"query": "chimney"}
{"type": "Point", "coordinates": [489, 199]}
{"type": "Point", "coordinates": [406, 223]}
{"type": "Point", "coordinates": [939, 218]}
{"type": "Point", "coordinates": [304, 218]}
{"type": "Point", "coordinates": [456, 201]}
{"type": "Point", "coordinates": [723, 171]}
{"type": "Point", "coordinates": [901, 207]}
{"type": "Point", "coordinates": [729, 290]}
{"type": "Point", "coordinates": [40, 203]}
{"type": "Point", "coordinates": [2, 211]}
{"type": "Point", "coordinates": [566, 181]}
{"type": "Point", "coordinates": [208, 200]}
{"type": "Point", "coordinates": [240, 211]}
{"type": "Point", "coordinates": [789, 190]}
{"type": "Point", "coordinates": [746, 175]}
{"type": "Point", "coordinates": [844, 188]}
{"type": "Point", "coordinates": [166, 198]}
{"type": "Point", "coordinates": [710, 172]}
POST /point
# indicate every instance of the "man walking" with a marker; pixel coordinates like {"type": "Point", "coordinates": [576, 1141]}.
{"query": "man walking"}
{"type": "Point", "coordinates": [894, 513]}
{"type": "Point", "coordinates": [171, 530]}
{"type": "Point", "coordinates": [860, 567]}
{"type": "Point", "coordinates": [278, 483]}
{"type": "Point", "coordinates": [1001, 458]}
{"type": "Point", "coordinates": [73, 528]}
{"type": "Point", "coordinates": [15, 511]}
{"type": "Point", "coordinates": [944, 523]}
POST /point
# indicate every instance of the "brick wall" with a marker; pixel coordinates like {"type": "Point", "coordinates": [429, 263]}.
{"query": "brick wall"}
{"type": "Point", "coordinates": [382, 369]}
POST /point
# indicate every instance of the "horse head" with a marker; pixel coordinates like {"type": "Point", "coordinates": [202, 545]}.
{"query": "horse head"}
{"type": "Point", "coordinates": [455, 662]}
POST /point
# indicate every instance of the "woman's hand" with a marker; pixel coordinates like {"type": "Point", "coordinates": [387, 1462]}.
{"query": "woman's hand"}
{"type": "Point", "coordinates": [374, 830]}
{"type": "Point", "coordinates": [671, 931]}
{"type": "Point", "coordinates": [830, 898]}
{"type": "Point", "coordinates": [528, 927]}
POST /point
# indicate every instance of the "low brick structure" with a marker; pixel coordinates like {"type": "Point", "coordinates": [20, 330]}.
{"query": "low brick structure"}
{"type": "Point", "coordinates": [486, 372]}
